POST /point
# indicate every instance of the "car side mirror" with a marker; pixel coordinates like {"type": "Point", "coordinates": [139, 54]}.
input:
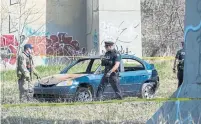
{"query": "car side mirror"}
{"type": "Point", "coordinates": [152, 65]}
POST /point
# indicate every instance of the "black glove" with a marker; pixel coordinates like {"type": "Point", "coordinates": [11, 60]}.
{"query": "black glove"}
{"type": "Point", "coordinates": [174, 71]}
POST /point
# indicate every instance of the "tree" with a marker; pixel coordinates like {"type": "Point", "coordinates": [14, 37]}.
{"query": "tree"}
{"type": "Point", "coordinates": [162, 26]}
{"type": "Point", "coordinates": [17, 15]}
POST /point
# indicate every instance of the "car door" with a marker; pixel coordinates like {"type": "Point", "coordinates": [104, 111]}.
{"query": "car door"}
{"type": "Point", "coordinates": [133, 76]}
{"type": "Point", "coordinates": [97, 72]}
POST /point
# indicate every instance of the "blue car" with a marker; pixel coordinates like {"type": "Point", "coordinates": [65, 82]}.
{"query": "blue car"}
{"type": "Point", "coordinates": [80, 80]}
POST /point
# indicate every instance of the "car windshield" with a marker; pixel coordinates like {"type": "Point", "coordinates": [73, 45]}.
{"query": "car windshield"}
{"type": "Point", "coordinates": [89, 66]}
{"type": "Point", "coordinates": [95, 66]}
{"type": "Point", "coordinates": [79, 68]}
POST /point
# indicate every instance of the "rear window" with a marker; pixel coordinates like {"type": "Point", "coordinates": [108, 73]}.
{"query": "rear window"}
{"type": "Point", "coordinates": [132, 65]}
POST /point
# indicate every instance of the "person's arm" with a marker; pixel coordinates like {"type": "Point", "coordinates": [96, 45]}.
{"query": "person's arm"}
{"type": "Point", "coordinates": [22, 66]}
{"type": "Point", "coordinates": [116, 66]}
{"type": "Point", "coordinates": [35, 72]}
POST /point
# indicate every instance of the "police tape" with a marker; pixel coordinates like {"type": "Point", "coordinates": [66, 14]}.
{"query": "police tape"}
{"type": "Point", "coordinates": [53, 56]}
{"type": "Point", "coordinates": [99, 102]}
{"type": "Point", "coordinates": [159, 58]}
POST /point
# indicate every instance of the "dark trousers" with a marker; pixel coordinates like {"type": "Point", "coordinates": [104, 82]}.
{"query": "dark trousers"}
{"type": "Point", "coordinates": [114, 82]}
{"type": "Point", "coordinates": [180, 77]}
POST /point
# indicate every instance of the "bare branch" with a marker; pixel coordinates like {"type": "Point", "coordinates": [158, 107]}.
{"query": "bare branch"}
{"type": "Point", "coordinates": [180, 24]}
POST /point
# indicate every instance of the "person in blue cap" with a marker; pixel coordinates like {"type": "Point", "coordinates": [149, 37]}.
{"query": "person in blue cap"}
{"type": "Point", "coordinates": [111, 61]}
{"type": "Point", "coordinates": [180, 66]}
{"type": "Point", "coordinates": [25, 68]}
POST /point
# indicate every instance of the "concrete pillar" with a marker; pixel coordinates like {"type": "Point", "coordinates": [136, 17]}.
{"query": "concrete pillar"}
{"type": "Point", "coordinates": [187, 111]}
{"type": "Point", "coordinates": [67, 16]}
{"type": "Point", "coordinates": [92, 32]}
{"type": "Point", "coordinates": [120, 22]}
{"type": "Point", "coordinates": [117, 21]}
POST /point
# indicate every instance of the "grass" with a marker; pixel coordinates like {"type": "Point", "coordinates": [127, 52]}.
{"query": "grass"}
{"type": "Point", "coordinates": [93, 113]}
{"type": "Point", "coordinates": [136, 111]}
{"type": "Point", "coordinates": [10, 76]}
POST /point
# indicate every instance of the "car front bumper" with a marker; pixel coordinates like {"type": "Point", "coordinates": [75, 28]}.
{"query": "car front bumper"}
{"type": "Point", "coordinates": [54, 92]}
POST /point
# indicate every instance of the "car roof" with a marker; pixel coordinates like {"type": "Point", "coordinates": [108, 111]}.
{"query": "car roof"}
{"type": "Point", "coordinates": [123, 56]}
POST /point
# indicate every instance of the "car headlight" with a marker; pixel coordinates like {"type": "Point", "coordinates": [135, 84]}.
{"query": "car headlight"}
{"type": "Point", "coordinates": [65, 83]}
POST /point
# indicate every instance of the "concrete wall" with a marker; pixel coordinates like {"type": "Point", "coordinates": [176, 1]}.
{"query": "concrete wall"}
{"type": "Point", "coordinates": [115, 20]}
{"type": "Point", "coordinates": [92, 23]}
{"type": "Point", "coordinates": [120, 22]}
{"type": "Point", "coordinates": [70, 27]}
{"type": "Point", "coordinates": [187, 111]}
{"type": "Point", "coordinates": [67, 16]}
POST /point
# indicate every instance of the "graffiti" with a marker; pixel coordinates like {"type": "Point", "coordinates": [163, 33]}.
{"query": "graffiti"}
{"type": "Point", "coordinates": [122, 50]}
{"type": "Point", "coordinates": [32, 32]}
{"type": "Point", "coordinates": [63, 45]}
{"type": "Point", "coordinates": [56, 48]}
{"type": "Point", "coordinates": [39, 43]}
{"type": "Point", "coordinates": [125, 32]}
{"type": "Point", "coordinates": [188, 29]}
{"type": "Point", "coordinates": [198, 79]}
{"type": "Point", "coordinates": [9, 46]}
{"type": "Point", "coordinates": [60, 45]}
{"type": "Point", "coordinates": [195, 28]}
{"type": "Point", "coordinates": [95, 40]}
{"type": "Point", "coordinates": [121, 34]}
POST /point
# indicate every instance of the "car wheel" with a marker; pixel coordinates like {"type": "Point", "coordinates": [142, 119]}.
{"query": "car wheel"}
{"type": "Point", "coordinates": [83, 95]}
{"type": "Point", "coordinates": [147, 91]}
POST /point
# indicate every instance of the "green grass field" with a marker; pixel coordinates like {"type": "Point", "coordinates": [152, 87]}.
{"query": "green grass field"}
{"type": "Point", "coordinates": [136, 111]}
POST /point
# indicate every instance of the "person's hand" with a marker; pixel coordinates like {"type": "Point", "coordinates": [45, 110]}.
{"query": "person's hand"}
{"type": "Point", "coordinates": [102, 57]}
{"type": "Point", "coordinates": [36, 73]}
{"type": "Point", "coordinates": [108, 74]}
{"type": "Point", "coordinates": [174, 71]}
{"type": "Point", "coordinates": [38, 77]}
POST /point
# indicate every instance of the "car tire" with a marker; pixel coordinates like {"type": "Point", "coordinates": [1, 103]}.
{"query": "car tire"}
{"type": "Point", "coordinates": [147, 91]}
{"type": "Point", "coordinates": [83, 94]}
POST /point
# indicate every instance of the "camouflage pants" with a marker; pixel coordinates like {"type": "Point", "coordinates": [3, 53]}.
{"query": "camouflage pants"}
{"type": "Point", "coordinates": [24, 89]}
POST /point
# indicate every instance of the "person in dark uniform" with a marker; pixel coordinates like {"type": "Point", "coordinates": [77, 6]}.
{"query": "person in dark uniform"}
{"type": "Point", "coordinates": [111, 61]}
{"type": "Point", "coordinates": [180, 66]}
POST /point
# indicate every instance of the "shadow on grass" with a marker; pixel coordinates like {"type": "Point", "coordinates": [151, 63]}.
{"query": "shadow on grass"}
{"type": "Point", "coordinates": [22, 120]}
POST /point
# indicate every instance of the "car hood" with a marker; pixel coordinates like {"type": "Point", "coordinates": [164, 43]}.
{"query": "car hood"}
{"type": "Point", "coordinates": [55, 79]}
